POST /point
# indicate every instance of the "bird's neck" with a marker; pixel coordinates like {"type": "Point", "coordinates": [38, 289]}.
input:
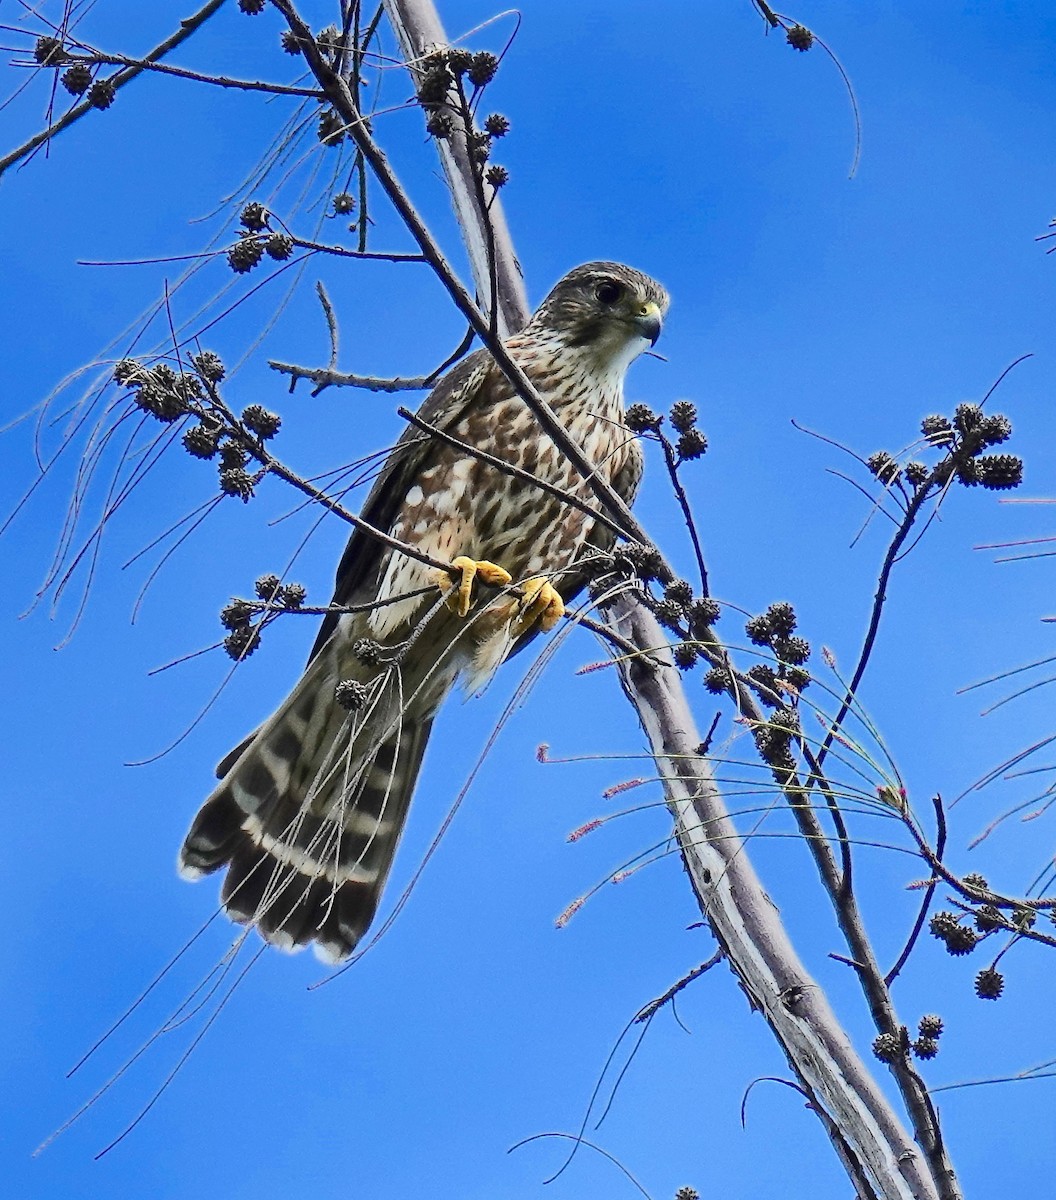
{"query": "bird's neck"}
{"type": "Point", "coordinates": [570, 377]}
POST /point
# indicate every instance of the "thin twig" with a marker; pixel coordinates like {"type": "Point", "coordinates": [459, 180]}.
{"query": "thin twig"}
{"type": "Point", "coordinates": [929, 894]}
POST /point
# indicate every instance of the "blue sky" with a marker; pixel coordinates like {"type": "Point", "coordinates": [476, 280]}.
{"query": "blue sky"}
{"type": "Point", "coordinates": [717, 160]}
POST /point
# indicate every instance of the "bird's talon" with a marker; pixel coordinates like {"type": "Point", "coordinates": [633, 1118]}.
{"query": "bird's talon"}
{"type": "Point", "coordinates": [541, 605]}
{"type": "Point", "coordinates": [459, 596]}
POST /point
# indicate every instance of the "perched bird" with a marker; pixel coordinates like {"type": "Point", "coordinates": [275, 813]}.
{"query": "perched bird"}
{"type": "Point", "coordinates": [310, 806]}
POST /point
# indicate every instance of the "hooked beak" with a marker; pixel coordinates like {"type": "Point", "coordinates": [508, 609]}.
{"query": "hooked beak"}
{"type": "Point", "coordinates": [649, 321]}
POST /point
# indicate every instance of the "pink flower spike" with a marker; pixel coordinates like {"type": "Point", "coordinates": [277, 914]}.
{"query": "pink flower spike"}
{"type": "Point", "coordinates": [583, 830]}
{"type": "Point", "coordinates": [626, 786]}
{"type": "Point", "coordinates": [569, 913]}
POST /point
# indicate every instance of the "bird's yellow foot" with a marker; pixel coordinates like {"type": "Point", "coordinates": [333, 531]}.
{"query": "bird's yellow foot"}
{"type": "Point", "coordinates": [458, 592]}
{"type": "Point", "coordinates": [540, 605]}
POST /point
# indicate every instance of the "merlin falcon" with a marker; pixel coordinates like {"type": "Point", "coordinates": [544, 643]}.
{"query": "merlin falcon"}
{"type": "Point", "coordinates": [309, 808]}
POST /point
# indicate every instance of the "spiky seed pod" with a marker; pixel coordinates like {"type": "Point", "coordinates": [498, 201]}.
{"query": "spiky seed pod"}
{"type": "Point", "coordinates": [434, 84]}
{"type": "Point", "coordinates": [329, 39]}
{"type": "Point", "coordinates": [367, 651]}
{"type": "Point", "coordinates": [236, 615]}
{"type": "Point", "coordinates": [48, 52]}
{"type": "Point", "coordinates": [685, 655]}
{"type": "Point", "coordinates": [344, 203]}
{"type": "Point", "coordinates": [968, 419]}
{"type": "Point", "coordinates": [1024, 918]}
{"type": "Point", "coordinates": [785, 720]}
{"type": "Point", "coordinates": [640, 418]}
{"type": "Point", "coordinates": [258, 420]}
{"type": "Point", "coordinates": [942, 923]}
{"type": "Point", "coordinates": [718, 680]}
{"type": "Point", "coordinates": [917, 473]}
{"type": "Point", "coordinates": [292, 595]}
{"type": "Point", "coordinates": [482, 68]}
{"type": "Point", "coordinates": [459, 60]}
{"type": "Point", "coordinates": [781, 618]}
{"type": "Point", "coordinates": [77, 79]}
{"type": "Point", "coordinates": [937, 429]}
{"type": "Point", "coordinates": [961, 940]}
{"type": "Point", "coordinates": [687, 1193]}
{"type": "Point", "coordinates": [497, 176]}
{"type": "Point", "coordinates": [163, 375]}
{"type": "Point", "coordinates": [251, 7]}
{"type": "Point", "coordinates": [331, 128]}
{"type": "Point", "coordinates": [188, 386]}
{"type": "Point", "coordinates": [480, 147]}
{"type": "Point", "coordinates": [998, 472]}
{"type": "Point", "coordinates": [235, 481]}
{"type": "Point", "coordinates": [691, 444]}
{"type": "Point", "coordinates": [989, 984]}
{"type": "Point", "coordinates": [157, 397]}
{"type": "Point", "coordinates": [798, 678]}
{"type": "Point", "coordinates": [267, 586]}
{"type": "Point", "coordinates": [702, 612]}
{"type": "Point", "coordinates": [995, 429]}
{"type": "Point", "coordinates": [799, 37]}
{"type": "Point", "coordinates": [793, 650]}
{"type": "Point", "coordinates": [643, 561]}
{"type": "Point", "coordinates": [290, 42]}
{"type": "Point", "coordinates": [209, 366]}
{"type": "Point", "coordinates": [930, 1026]}
{"type": "Point", "coordinates": [988, 918]}
{"type": "Point", "coordinates": [679, 590]}
{"type": "Point", "coordinates": [241, 643]}
{"type": "Point", "coordinates": [683, 415]}
{"type": "Point", "coordinates": [968, 472]}
{"type": "Point", "coordinates": [883, 466]}
{"type": "Point", "coordinates": [279, 246]}
{"type": "Point", "coordinates": [668, 613]}
{"type": "Point", "coordinates": [925, 1047]}
{"type": "Point", "coordinates": [351, 694]}
{"type": "Point", "coordinates": [764, 676]}
{"type": "Point", "coordinates": [101, 94]}
{"type": "Point", "coordinates": [440, 125]}
{"type": "Point", "coordinates": [888, 1047]}
{"type": "Point", "coordinates": [232, 456]}
{"type": "Point", "coordinates": [758, 630]}
{"type": "Point", "coordinates": [129, 371]}
{"type": "Point", "coordinates": [497, 125]}
{"type": "Point", "coordinates": [244, 255]}
{"type": "Point", "coordinates": [200, 441]}
{"type": "Point", "coordinates": [974, 880]}
{"type": "Point", "coordinates": [773, 748]}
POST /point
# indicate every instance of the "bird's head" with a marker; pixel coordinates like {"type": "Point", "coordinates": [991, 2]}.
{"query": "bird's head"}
{"type": "Point", "coordinates": [611, 311]}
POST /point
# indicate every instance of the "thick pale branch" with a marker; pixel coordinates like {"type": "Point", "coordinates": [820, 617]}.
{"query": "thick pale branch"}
{"type": "Point", "coordinates": [749, 928]}
{"type": "Point", "coordinates": [418, 28]}
{"type": "Point", "coordinates": [865, 1130]}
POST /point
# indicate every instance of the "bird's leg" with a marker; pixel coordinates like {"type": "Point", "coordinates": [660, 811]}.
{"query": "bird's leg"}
{"type": "Point", "coordinates": [458, 594]}
{"type": "Point", "coordinates": [541, 604]}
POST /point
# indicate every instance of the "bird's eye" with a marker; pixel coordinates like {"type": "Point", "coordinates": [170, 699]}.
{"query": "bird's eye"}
{"type": "Point", "coordinates": [608, 291]}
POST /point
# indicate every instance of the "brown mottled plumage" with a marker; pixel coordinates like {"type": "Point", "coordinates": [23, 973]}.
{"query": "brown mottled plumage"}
{"type": "Point", "coordinates": [310, 807]}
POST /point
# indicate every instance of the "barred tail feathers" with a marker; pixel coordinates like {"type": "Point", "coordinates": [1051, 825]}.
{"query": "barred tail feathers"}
{"type": "Point", "coordinates": [308, 816]}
